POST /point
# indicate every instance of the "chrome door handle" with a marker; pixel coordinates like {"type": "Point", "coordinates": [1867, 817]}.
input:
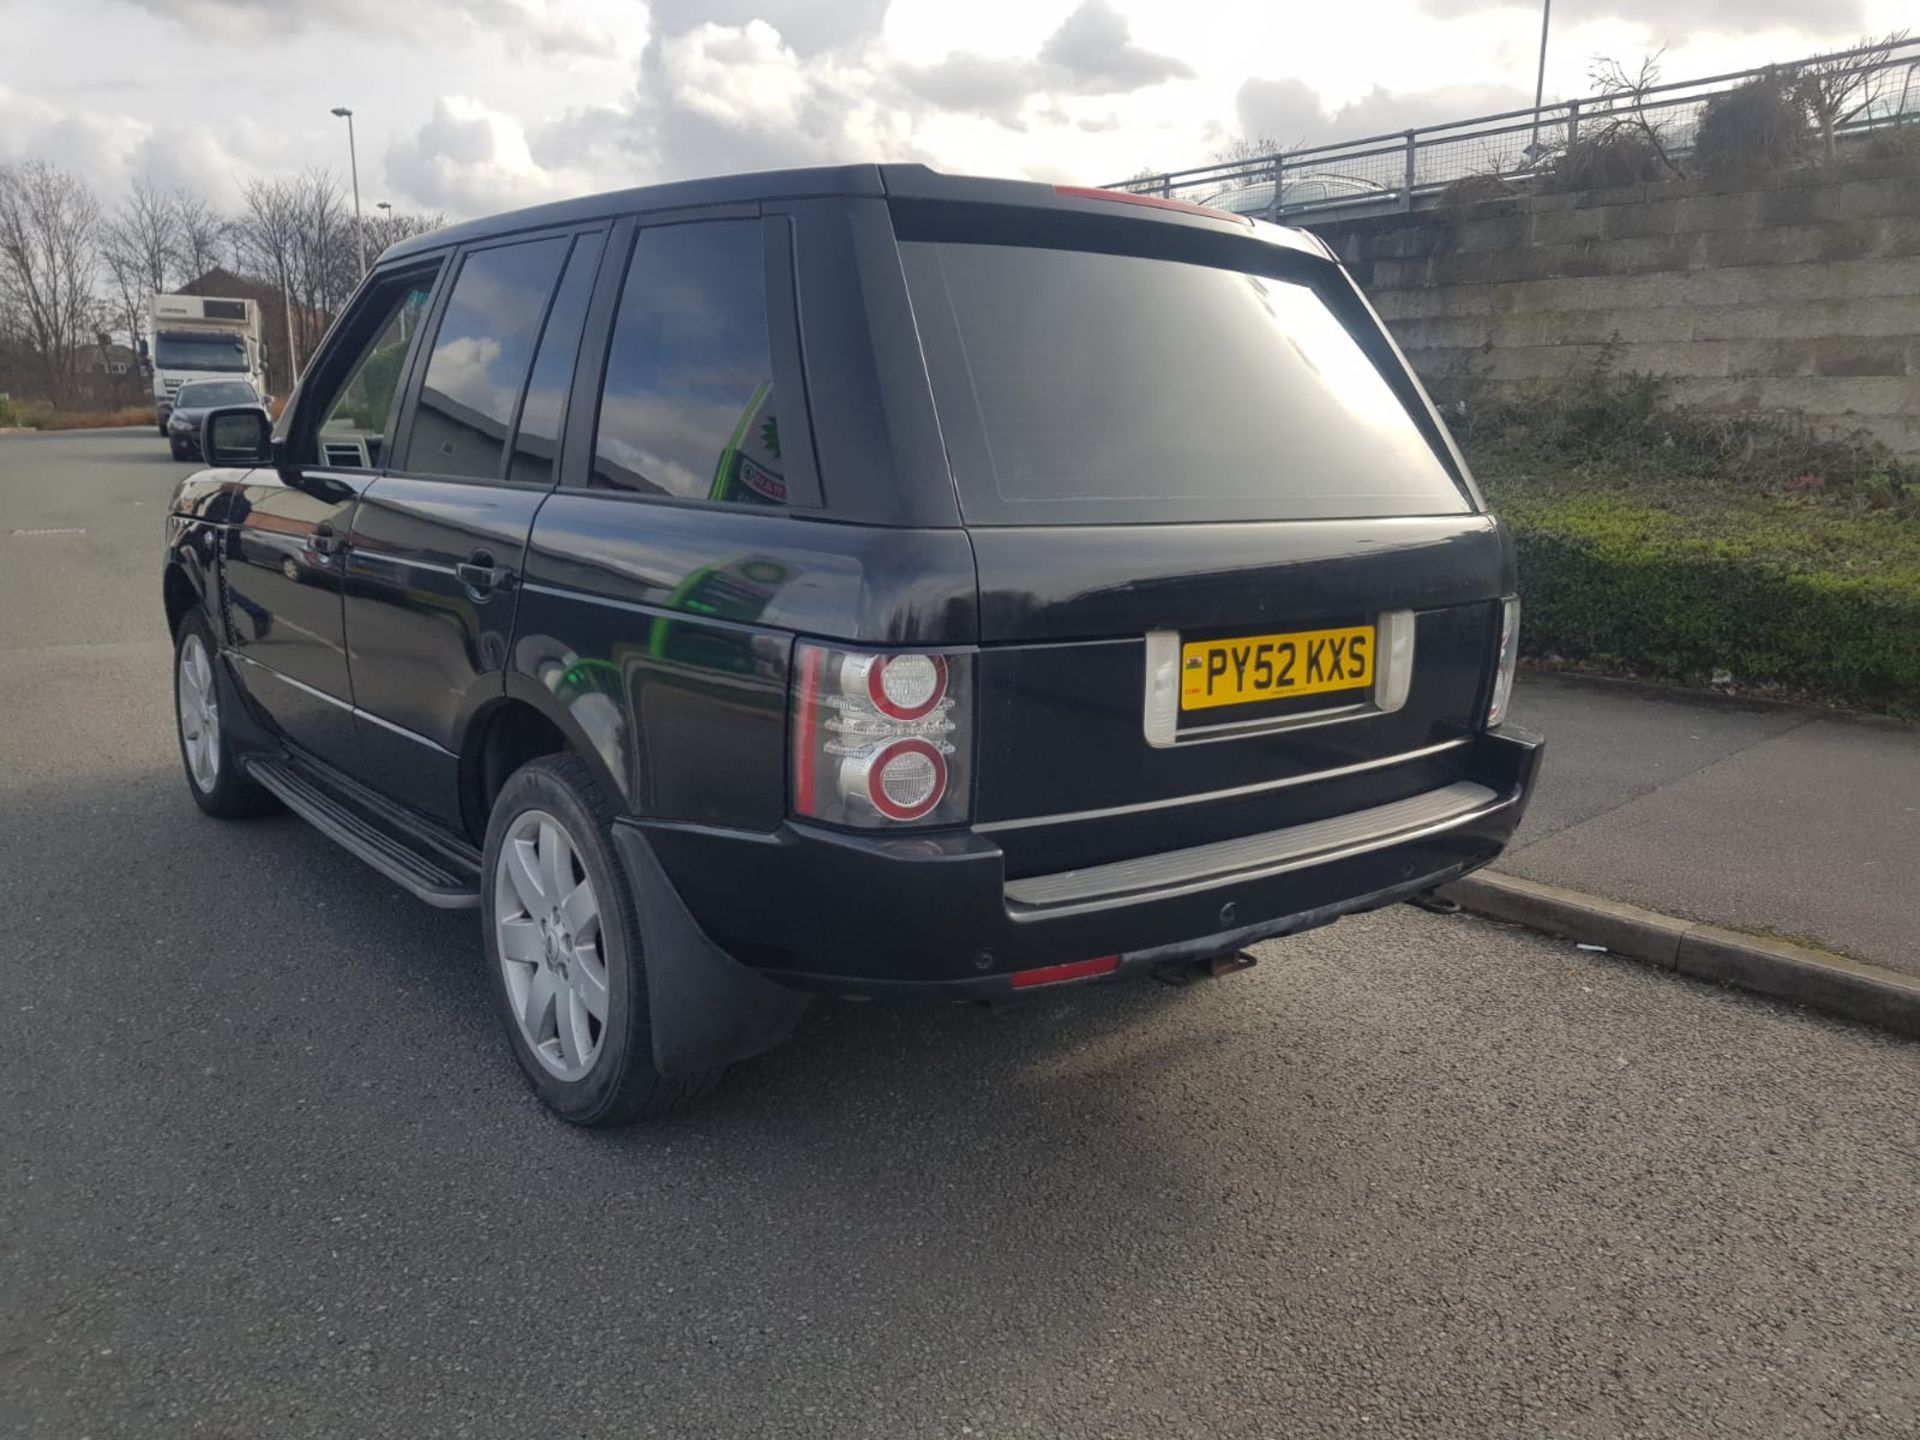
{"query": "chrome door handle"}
{"type": "Point", "coordinates": [481, 575]}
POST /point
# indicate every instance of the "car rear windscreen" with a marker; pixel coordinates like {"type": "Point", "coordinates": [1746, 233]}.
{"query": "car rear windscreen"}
{"type": "Point", "coordinates": [1078, 387]}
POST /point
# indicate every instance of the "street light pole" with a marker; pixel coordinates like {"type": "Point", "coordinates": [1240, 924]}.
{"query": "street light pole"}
{"type": "Point", "coordinates": [1540, 78]}
{"type": "Point", "coordinates": [353, 161]}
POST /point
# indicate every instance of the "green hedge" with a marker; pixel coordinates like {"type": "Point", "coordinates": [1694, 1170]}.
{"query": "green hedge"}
{"type": "Point", "coordinates": [1821, 603]}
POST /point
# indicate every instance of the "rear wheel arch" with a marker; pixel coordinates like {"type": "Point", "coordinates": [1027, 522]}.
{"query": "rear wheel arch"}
{"type": "Point", "coordinates": [500, 740]}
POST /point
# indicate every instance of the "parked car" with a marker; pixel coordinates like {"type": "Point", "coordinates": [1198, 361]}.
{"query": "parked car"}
{"type": "Point", "coordinates": [190, 406]}
{"type": "Point", "coordinates": [853, 581]}
{"type": "Point", "coordinates": [1297, 192]}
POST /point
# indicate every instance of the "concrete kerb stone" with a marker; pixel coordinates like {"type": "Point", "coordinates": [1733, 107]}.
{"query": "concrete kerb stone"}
{"type": "Point", "coordinates": [1776, 968]}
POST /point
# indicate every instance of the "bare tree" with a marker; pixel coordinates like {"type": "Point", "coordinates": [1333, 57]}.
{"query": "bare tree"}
{"type": "Point", "coordinates": [49, 224]}
{"type": "Point", "coordinates": [1247, 148]}
{"type": "Point", "coordinates": [1255, 153]}
{"type": "Point", "coordinates": [139, 249]}
{"type": "Point", "coordinates": [127, 284]}
{"type": "Point", "coordinates": [325, 254]}
{"type": "Point", "coordinates": [1622, 120]}
{"type": "Point", "coordinates": [147, 229]}
{"type": "Point", "coordinates": [202, 232]}
{"type": "Point", "coordinates": [1837, 87]}
{"type": "Point", "coordinates": [390, 227]}
{"type": "Point", "coordinates": [265, 240]}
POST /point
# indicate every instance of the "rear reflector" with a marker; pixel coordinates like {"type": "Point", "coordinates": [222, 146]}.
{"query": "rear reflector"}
{"type": "Point", "coordinates": [1059, 974]}
{"type": "Point", "coordinates": [1156, 202]}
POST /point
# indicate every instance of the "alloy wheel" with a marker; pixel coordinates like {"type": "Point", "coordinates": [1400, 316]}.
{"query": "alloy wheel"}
{"type": "Point", "coordinates": [546, 921]}
{"type": "Point", "coordinates": [199, 706]}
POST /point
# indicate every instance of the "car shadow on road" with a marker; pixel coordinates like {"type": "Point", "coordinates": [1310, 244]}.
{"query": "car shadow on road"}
{"type": "Point", "coordinates": [300, 1039]}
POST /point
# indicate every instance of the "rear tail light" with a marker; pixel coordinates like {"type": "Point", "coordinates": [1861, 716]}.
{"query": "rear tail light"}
{"type": "Point", "coordinates": [881, 739]}
{"type": "Point", "coordinates": [1509, 658]}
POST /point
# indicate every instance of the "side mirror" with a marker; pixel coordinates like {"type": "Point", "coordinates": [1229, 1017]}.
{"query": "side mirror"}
{"type": "Point", "coordinates": [239, 435]}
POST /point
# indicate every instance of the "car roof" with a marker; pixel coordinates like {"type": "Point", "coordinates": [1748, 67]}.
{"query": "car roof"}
{"type": "Point", "coordinates": [904, 182]}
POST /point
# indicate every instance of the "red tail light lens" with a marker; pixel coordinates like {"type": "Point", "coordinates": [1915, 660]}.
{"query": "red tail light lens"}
{"type": "Point", "coordinates": [881, 739]}
{"type": "Point", "coordinates": [900, 687]}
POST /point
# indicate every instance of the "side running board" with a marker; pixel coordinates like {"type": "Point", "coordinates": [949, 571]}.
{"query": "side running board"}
{"type": "Point", "coordinates": [440, 868]}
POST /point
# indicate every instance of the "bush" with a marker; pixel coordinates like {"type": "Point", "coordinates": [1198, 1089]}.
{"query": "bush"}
{"type": "Point", "coordinates": [1618, 428]}
{"type": "Point", "coordinates": [9, 414]}
{"type": "Point", "coordinates": [1761, 125]}
{"type": "Point", "coordinates": [1613, 582]}
{"type": "Point", "coordinates": [1894, 142]}
{"type": "Point", "coordinates": [1606, 158]}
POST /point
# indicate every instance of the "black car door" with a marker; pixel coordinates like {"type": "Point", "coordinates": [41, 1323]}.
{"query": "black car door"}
{"type": "Point", "coordinates": [285, 557]}
{"type": "Point", "coordinates": [437, 541]}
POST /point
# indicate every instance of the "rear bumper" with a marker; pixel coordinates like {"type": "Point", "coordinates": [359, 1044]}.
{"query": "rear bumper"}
{"type": "Point", "coordinates": [935, 915]}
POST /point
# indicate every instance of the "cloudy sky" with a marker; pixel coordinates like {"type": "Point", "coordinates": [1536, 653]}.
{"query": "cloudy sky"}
{"type": "Point", "coordinates": [470, 106]}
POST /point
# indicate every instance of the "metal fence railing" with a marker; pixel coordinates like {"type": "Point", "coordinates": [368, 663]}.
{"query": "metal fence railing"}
{"type": "Point", "coordinates": [1391, 171]}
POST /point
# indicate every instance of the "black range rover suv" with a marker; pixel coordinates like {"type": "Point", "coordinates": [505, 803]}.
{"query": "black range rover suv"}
{"type": "Point", "coordinates": [854, 580]}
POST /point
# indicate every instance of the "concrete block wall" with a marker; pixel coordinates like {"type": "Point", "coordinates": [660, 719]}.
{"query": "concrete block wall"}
{"type": "Point", "coordinates": [1796, 292]}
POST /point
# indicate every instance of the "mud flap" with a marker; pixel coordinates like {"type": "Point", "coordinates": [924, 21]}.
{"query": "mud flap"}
{"type": "Point", "coordinates": [707, 1008]}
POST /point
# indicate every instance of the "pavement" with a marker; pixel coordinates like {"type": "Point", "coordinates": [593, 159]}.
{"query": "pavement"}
{"type": "Point", "coordinates": [270, 1170]}
{"type": "Point", "coordinates": [1779, 820]}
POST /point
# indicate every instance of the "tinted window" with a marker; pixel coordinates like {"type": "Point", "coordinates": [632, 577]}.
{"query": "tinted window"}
{"type": "Point", "coordinates": [216, 392]}
{"type": "Point", "coordinates": [1079, 388]}
{"type": "Point", "coordinates": [539, 433]}
{"type": "Point", "coordinates": [354, 434]}
{"type": "Point", "coordinates": [480, 359]}
{"type": "Point", "coordinates": [688, 407]}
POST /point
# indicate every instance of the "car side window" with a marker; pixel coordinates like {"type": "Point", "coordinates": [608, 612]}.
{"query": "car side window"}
{"type": "Point", "coordinates": [359, 417]}
{"type": "Point", "coordinates": [688, 407]}
{"type": "Point", "coordinates": [480, 358]}
{"type": "Point", "coordinates": [537, 438]}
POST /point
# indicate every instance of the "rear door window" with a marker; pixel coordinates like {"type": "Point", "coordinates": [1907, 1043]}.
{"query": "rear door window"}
{"type": "Point", "coordinates": [536, 440]}
{"type": "Point", "coordinates": [480, 358]}
{"type": "Point", "coordinates": [689, 408]}
{"type": "Point", "coordinates": [1087, 388]}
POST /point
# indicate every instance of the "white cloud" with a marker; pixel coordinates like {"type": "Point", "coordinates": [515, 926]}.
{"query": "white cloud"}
{"type": "Point", "coordinates": [549, 25]}
{"type": "Point", "coordinates": [476, 105]}
{"type": "Point", "coordinates": [1290, 113]}
{"type": "Point", "coordinates": [1094, 45]}
{"type": "Point", "coordinates": [470, 159]}
{"type": "Point", "coordinates": [108, 149]}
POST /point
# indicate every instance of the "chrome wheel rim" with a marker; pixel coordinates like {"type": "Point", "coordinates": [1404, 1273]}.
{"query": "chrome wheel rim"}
{"type": "Point", "coordinates": [546, 920]}
{"type": "Point", "coordinates": [199, 705]}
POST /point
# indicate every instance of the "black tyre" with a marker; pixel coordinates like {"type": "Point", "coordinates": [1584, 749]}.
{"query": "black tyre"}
{"type": "Point", "coordinates": [214, 777]}
{"type": "Point", "coordinates": [162, 428]}
{"type": "Point", "coordinates": [179, 450]}
{"type": "Point", "coordinates": [563, 951]}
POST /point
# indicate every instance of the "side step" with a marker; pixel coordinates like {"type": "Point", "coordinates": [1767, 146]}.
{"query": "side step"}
{"type": "Point", "coordinates": [440, 868]}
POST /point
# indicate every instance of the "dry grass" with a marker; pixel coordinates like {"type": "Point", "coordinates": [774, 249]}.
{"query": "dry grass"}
{"type": "Point", "coordinates": [126, 416]}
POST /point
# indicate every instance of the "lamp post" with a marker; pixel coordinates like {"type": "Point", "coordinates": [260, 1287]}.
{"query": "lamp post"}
{"type": "Point", "coordinates": [1540, 78]}
{"type": "Point", "coordinates": [353, 162]}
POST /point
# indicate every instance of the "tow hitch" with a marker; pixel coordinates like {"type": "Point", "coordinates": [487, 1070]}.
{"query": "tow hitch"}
{"type": "Point", "coordinates": [1185, 972]}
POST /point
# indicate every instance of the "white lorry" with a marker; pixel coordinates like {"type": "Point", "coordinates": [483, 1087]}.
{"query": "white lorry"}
{"type": "Point", "coordinates": [202, 337]}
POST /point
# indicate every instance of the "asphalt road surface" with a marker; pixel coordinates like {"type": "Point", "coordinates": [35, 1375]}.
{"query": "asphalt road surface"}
{"type": "Point", "coordinates": [269, 1171]}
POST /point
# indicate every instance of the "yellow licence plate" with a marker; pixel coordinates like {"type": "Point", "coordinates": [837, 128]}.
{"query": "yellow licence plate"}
{"type": "Point", "coordinates": [1250, 668]}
